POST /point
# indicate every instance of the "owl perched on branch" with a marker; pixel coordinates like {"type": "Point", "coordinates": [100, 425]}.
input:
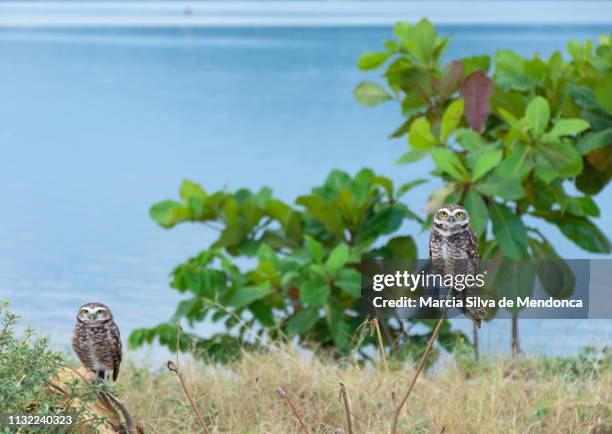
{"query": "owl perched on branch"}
{"type": "Point", "coordinates": [453, 250]}
{"type": "Point", "coordinates": [96, 340]}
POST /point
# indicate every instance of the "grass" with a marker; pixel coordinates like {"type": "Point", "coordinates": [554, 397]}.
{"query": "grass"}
{"type": "Point", "coordinates": [285, 391]}
{"type": "Point", "coordinates": [531, 394]}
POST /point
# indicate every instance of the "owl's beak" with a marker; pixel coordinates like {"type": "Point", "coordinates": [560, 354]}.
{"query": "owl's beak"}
{"type": "Point", "coordinates": [451, 219]}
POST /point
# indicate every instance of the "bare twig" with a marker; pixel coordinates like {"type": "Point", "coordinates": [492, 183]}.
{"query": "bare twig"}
{"type": "Point", "coordinates": [476, 341]}
{"type": "Point", "coordinates": [398, 410]}
{"type": "Point", "coordinates": [129, 421]}
{"type": "Point", "coordinates": [283, 395]}
{"type": "Point", "coordinates": [516, 348]}
{"type": "Point", "coordinates": [347, 408]}
{"type": "Point", "coordinates": [172, 367]}
{"type": "Point", "coordinates": [383, 355]}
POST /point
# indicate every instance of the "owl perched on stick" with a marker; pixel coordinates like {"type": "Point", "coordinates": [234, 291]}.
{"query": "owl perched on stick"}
{"type": "Point", "coordinates": [453, 250]}
{"type": "Point", "coordinates": [96, 340]}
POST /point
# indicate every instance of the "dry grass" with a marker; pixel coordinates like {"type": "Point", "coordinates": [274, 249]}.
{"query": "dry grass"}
{"type": "Point", "coordinates": [531, 395]}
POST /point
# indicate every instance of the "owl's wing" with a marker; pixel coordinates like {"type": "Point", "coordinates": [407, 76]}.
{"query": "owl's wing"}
{"type": "Point", "coordinates": [115, 341]}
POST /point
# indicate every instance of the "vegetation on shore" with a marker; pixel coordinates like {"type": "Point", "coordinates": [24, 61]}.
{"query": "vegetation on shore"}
{"type": "Point", "coordinates": [531, 394]}
{"type": "Point", "coordinates": [524, 144]}
{"type": "Point", "coordinates": [262, 391]}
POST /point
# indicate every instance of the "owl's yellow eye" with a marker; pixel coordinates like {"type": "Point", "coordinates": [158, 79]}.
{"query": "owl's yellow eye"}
{"type": "Point", "coordinates": [459, 215]}
{"type": "Point", "coordinates": [83, 311]}
{"type": "Point", "coordinates": [443, 214]}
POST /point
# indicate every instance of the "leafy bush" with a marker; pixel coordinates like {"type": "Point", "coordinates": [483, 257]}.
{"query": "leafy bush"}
{"type": "Point", "coordinates": [505, 146]}
{"type": "Point", "coordinates": [305, 279]}
{"type": "Point", "coordinates": [28, 370]}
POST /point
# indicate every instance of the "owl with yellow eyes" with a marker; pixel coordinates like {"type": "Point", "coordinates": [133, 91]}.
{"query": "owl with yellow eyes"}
{"type": "Point", "coordinates": [96, 340]}
{"type": "Point", "coordinates": [453, 249]}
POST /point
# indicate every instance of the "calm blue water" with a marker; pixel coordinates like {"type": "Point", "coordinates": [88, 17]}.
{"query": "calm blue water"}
{"type": "Point", "coordinates": [96, 125]}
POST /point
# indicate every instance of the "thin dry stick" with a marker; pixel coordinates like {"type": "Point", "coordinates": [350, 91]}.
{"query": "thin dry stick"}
{"type": "Point", "coordinates": [282, 394]}
{"type": "Point", "coordinates": [129, 421]}
{"type": "Point", "coordinates": [398, 410]}
{"type": "Point", "coordinates": [172, 367]}
{"type": "Point", "coordinates": [380, 343]}
{"type": "Point", "coordinates": [347, 408]}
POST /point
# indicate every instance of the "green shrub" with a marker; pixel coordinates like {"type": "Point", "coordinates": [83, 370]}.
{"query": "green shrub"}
{"type": "Point", "coordinates": [305, 279]}
{"type": "Point", "coordinates": [505, 145]}
{"type": "Point", "coordinates": [28, 368]}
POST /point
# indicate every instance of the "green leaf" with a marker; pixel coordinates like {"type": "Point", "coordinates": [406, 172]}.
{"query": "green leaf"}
{"type": "Point", "coordinates": [403, 30]}
{"type": "Point", "coordinates": [448, 162]}
{"type": "Point", "coordinates": [509, 231]}
{"type": "Point", "coordinates": [385, 183]}
{"type": "Point", "coordinates": [469, 139]}
{"type": "Point", "coordinates": [592, 181]}
{"type": "Point", "coordinates": [314, 247]}
{"type": "Point", "coordinates": [595, 140]}
{"type": "Point", "coordinates": [263, 313]}
{"type": "Point", "coordinates": [509, 117]}
{"type": "Point", "coordinates": [476, 63]}
{"type": "Point", "coordinates": [262, 197]}
{"type": "Point", "coordinates": [580, 230]}
{"type": "Point", "coordinates": [485, 163]}
{"type": "Point", "coordinates": [569, 127]}
{"type": "Point", "coordinates": [382, 222]}
{"type": "Point", "coordinates": [349, 280]}
{"type": "Point", "coordinates": [582, 206]}
{"type": "Point", "coordinates": [370, 94]}
{"type": "Point", "coordinates": [537, 115]}
{"type": "Point", "coordinates": [547, 193]}
{"type": "Point", "coordinates": [583, 96]}
{"type": "Point", "coordinates": [191, 189]}
{"type": "Point", "coordinates": [562, 156]}
{"type": "Point", "coordinates": [517, 165]}
{"type": "Point", "coordinates": [554, 273]}
{"type": "Point", "coordinates": [514, 279]}
{"type": "Point", "coordinates": [451, 119]}
{"type": "Point", "coordinates": [423, 40]}
{"type": "Point", "coordinates": [508, 61]}
{"type": "Point", "coordinates": [602, 92]}
{"type": "Point", "coordinates": [338, 328]}
{"type": "Point", "coordinates": [372, 60]}
{"type": "Point", "coordinates": [476, 207]}
{"type": "Point", "coordinates": [314, 293]}
{"type": "Point", "coordinates": [505, 188]}
{"type": "Point", "coordinates": [137, 338]}
{"type": "Point", "coordinates": [204, 282]}
{"type": "Point", "coordinates": [248, 294]}
{"type": "Point", "coordinates": [167, 213]}
{"type": "Point", "coordinates": [302, 321]}
{"type": "Point", "coordinates": [402, 248]}
{"type": "Point", "coordinates": [420, 136]}
{"type": "Point", "coordinates": [337, 259]}
{"type": "Point", "coordinates": [510, 71]}
{"type": "Point", "coordinates": [508, 104]}
{"type": "Point", "coordinates": [412, 156]}
{"type": "Point", "coordinates": [404, 188]}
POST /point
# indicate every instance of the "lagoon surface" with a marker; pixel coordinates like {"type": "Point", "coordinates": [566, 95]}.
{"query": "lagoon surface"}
{"type": "Point", "coordinates": [98, 124]}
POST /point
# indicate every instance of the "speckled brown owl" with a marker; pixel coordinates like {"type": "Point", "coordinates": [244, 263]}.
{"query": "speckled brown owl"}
{"type": "Point", "coordinates": [453, 249]}
{"type": "Point", "coordinates": [96, 340]}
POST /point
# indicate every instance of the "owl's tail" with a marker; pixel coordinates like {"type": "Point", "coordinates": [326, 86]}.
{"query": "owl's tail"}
{"type": "Point", "coordinates": [476, 315]}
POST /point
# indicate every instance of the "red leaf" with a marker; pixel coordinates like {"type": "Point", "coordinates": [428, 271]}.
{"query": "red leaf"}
{"type": "Point", "coordinates": [450, 80]}
{"type": "Point", "coordinates": [476, 91]}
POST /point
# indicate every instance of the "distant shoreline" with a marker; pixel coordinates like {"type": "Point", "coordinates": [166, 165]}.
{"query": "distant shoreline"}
{"type": "Point", "coordinates": [279, 13]}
